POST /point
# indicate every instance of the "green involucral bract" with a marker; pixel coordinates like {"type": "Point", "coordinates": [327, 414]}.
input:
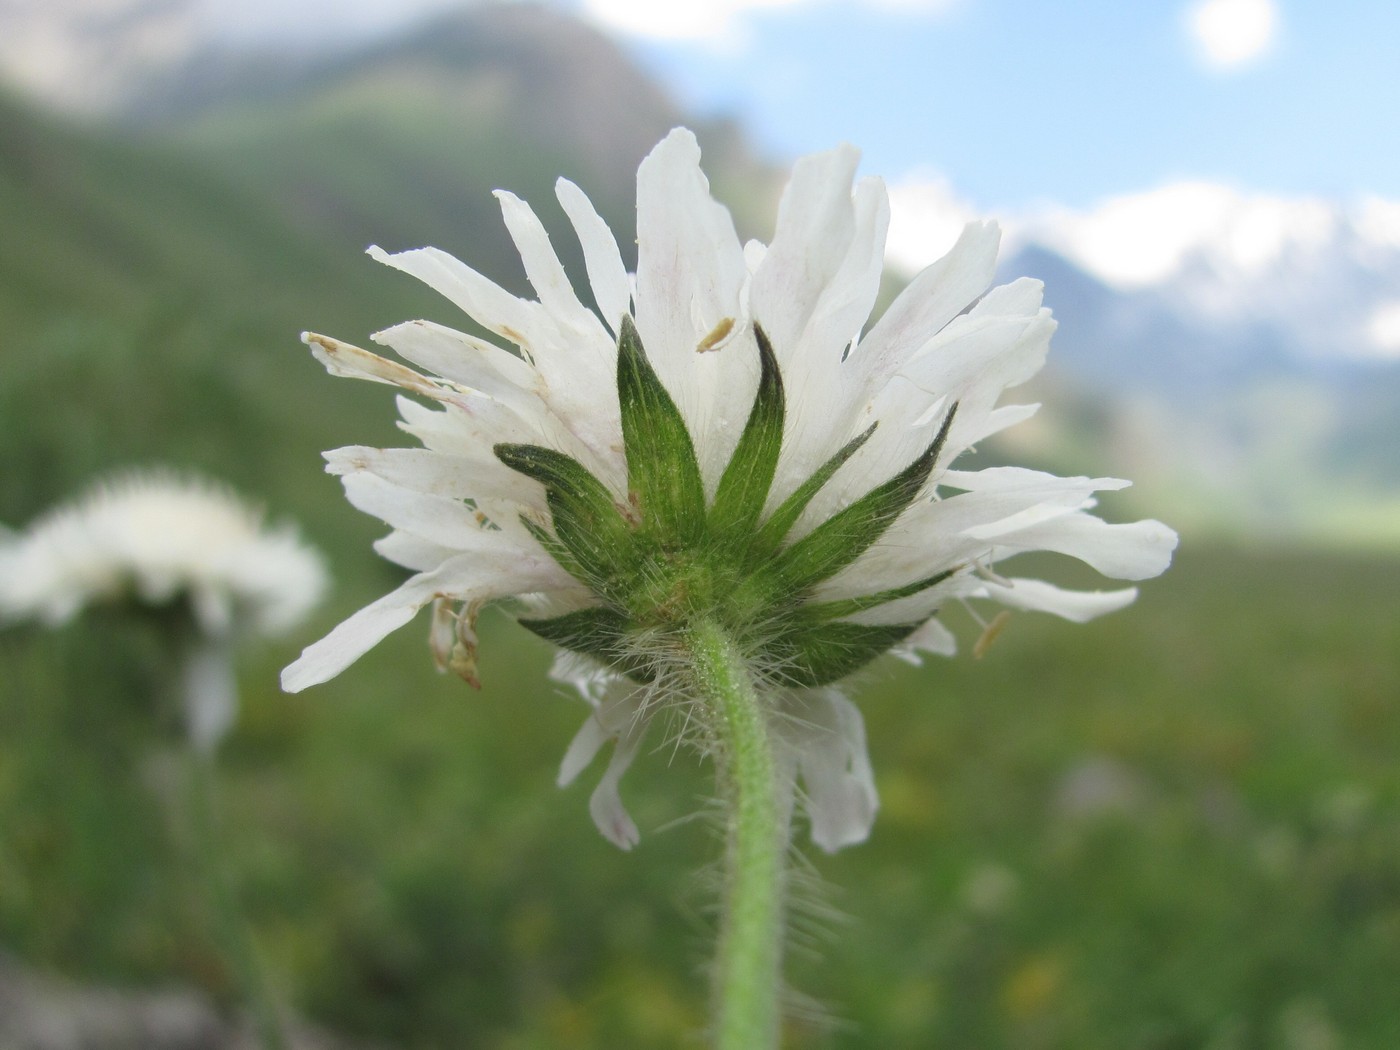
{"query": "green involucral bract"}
{"type": "Point", "coordinates": [664, 560]}
{"type": "Point", "coordinates": [663, 476]}
{"type": "Point", "coordinates": [744, 487]}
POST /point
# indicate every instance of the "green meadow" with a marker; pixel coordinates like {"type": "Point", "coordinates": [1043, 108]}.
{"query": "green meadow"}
{"type": "Point", "coordinates": [1177, 827]}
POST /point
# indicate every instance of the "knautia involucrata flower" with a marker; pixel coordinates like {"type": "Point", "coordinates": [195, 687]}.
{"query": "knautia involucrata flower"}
{"type": "Point", "coordinates": [721, 439]}
{"type": "Point", "coordinates": [159, 540]}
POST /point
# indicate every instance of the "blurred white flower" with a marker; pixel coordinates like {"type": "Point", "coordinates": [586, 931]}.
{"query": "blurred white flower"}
{"type": "Point", "coordinates": [156, 539]}
{"type": "Point", "coordinates": [725, 438]}
{"type": "Point", "coordinates": [159, 540]}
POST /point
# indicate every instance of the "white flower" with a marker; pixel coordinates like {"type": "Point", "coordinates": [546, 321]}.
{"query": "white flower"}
{"type": "Point", "coordinates": [159, 541]}
{"type": "Point", "coordinates": [156, 539]}
{"type": "Point", "coordinates": [722, 434]}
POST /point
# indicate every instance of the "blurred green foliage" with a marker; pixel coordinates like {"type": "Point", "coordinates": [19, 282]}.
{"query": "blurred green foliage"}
{"type": "Point", "coordinates": [1178, 827]}
{"type": "Point", "coordinates": [1175, 828]}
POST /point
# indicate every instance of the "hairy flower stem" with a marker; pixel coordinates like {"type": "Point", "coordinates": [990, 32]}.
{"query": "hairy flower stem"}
{"type": "Point", "coordinates": [747, 971]}
{"type": "Point", "coordinates": [234, 936]}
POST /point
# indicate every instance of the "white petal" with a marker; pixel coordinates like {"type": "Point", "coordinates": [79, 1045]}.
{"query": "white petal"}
{"type": "Point", "coordinates": [542, 266]}
{"type": "Point", "coordinates": [438, 519]}
{"type": "Point", "coordinates": [1018, 523]}
{"type": "Point", "coordinates": [323, 660]}
{"type": "Point", "coordinates": [1005, 335]}
{"type": "Point", "coordinates": [590, 679]}
{"type": "Point", "coordinates": [1039, 596]}
{"type": "Point", "coordinates": [993, 502]}
{"type": "Point", "coordinates": [935, 535]}
{"type": "Point", "coordinates": [471, 429]}
{"type": "Point", "coordinates": [586, 744]}
{"type": "Point", "coordinates": [1000, 341]}
{"type": "Point", "coordinates": [477, 477]}
{"type": "Point", "coordinates": [1135, 551]}
{"type": "Point", "coordinates": [612, 291]}
{"type": "Point", "coordinates": [483, 300]}
{"type": "Point", "coordinates": [620, 717]}
{"type": "Point", "coordinates": [932, 299]}
{"type": "Point", "coordinates": [971, 361]}
{"type": "Point", "coordinates": [464, 578]}
{"type": "Point", "coordinates": [690, 265]}
{"type": "Point", "coordinates": [690, 276]}
{"type": "Point", "coordinates": [351, 361]}
{"type": "Point", "coordinates": [811, 354]}
{"type": "Point", "coordinates": [572, 360]}
{"type": "Point", "coordinates": [412, 552]}
{"type": "Point", "coordinates": [917, 608]}
{"type": "Point", "coordinates": [814, 229]}
{"type": "Point", "coordinates": [931, 637]}
{"type": "Point", "coordinates": [605, 804]}
{"type": "Point", "coordinates": [211, 693]}
{"type": "Point", "coordinates": [1039, 483]}
{"type": "Point", "coordinates": [464, 359]}
{"type": "Point", "coordinates": [852, 292]}
{"type": "Point", "coordinates": [828, 734]}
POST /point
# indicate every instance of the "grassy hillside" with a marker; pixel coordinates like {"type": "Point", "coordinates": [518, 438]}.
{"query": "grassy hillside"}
{"type": "Point", "coordinates": [152, 312]}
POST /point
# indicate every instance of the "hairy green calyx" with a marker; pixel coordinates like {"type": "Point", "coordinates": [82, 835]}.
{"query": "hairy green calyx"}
{"type": "Point", "coordinates": [666, 560]}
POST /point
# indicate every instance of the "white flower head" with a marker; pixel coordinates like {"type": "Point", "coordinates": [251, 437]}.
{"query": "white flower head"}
{"type": "Point", "coordinates": [721, 435]}
{"type": "Point", "coordinates": [161, 541]}
{"type": "Point", "coordinates": [156, 539]}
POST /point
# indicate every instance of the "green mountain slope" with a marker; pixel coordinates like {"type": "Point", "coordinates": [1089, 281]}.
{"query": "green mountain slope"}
{"type": "Point", "coordinates": [401, 143]}
{"type": "Point", "coordinates": [151, 312]}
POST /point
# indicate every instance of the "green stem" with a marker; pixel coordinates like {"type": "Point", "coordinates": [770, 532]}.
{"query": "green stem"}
{"type": "Point", "coordinates": [233, 933]}
{"type": "Point", "coordinates": [747, 975]}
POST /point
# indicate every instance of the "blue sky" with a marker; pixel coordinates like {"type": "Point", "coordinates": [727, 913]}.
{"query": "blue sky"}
{"type": "Point", "coordinates": [1016, 101]}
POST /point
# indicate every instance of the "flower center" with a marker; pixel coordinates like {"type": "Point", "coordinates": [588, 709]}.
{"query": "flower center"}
{"type": "Point", "coordinates": [675, 559]}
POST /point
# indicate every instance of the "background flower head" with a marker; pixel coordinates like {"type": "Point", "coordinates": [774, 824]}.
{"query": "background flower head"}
{"type": "Point", "coordinates": [157, 538]}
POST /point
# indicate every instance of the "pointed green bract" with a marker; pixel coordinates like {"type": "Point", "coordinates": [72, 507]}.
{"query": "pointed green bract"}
{"type": "Point", "coordinates": [586, 520]}
{"type": "Point", "coordinates": [597, 632]}
{"type": "Point", "coordinates": [818, 654]}
{"type": "Point", "coordinates": [848, 533]}
{"type": "Point", "coordinates": [783, 519]}
{"type": "Point", "coordinates": [663, 558]}
{"type": "Point", "coordinates": [663, 476]}
{"type": "Point", "coordinates": [744, 487]}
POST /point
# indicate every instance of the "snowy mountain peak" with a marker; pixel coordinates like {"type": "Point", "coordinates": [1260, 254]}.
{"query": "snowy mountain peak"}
{"type": "Point", "coordinates": [1321, 276]}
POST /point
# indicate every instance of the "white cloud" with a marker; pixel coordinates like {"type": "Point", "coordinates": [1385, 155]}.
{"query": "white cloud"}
{"type": "Point", "coordinates": [1318, 273]}
{"type": "Point", "coordinates": [1139, 239]}
{"type": "Point", "coordinates": [710, 20]}
{"type": "Point", "coordinates": [1136, 240]}
{"type": "Point", "coordinates": [926, 216]}
{"type": "Point", "coordinates": [1384, 329]}
{"type": "Point", "coordinates": [1128, 241]}
{"type": "Point", "coordinates": [1232, 34]}
{"type": "Point", "coordinates": [714, 21]}
{"type": "Point", "coordinates": [1379, 221]}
